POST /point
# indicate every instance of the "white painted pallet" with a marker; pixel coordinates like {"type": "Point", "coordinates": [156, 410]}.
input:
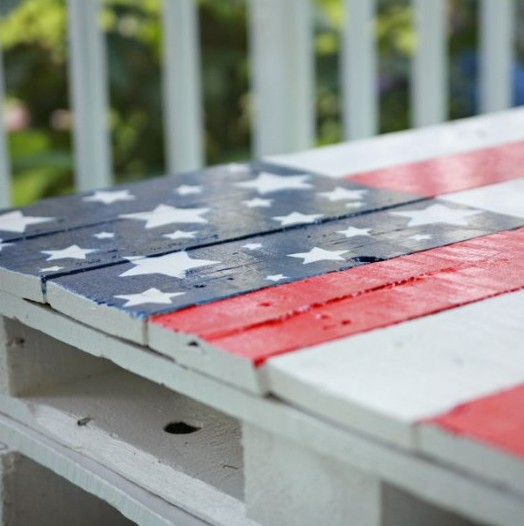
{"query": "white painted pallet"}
{"type": "Point", "coordinates": [54, 408]}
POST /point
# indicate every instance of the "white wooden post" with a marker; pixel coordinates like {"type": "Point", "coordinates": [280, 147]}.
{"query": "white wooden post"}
{"type": "Point", "coordinates": [281, 45]}
{"type": "Point", "coordinates": [429, 87]}
{"type": "Point", "coordinates": [287, 484]}
{"type": "Point", "coordinates": [5, 179]}
{"type": "Point", "coordinates": [496, 54]}
{"type": "Point", "coordinates": [182, 86]}
{"type": "Point", "coordinates": [88, 81]}
{"type": "Point", "coordinates": [359, 70]}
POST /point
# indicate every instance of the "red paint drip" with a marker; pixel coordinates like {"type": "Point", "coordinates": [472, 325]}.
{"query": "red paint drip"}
{"type": "Point", "coordinates": [288, 317]}
{"type": "Point", "coordinates": [450, 174]}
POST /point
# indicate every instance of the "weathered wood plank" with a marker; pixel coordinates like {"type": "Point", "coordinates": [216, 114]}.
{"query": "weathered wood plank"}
{"type": "Point", "coordinates": [387, 380]}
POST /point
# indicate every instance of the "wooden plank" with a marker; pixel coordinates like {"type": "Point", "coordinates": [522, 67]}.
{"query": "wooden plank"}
{"type": "Point", "coordinates": [32, 494]}
{"type": "Point", "coordinates": [496, 54]}
{"type": "Point", "coordinates": [504, 198]}
{"type": "Point", "coordinates": [158, 221]}
{"type": "Point", "coordinates": [130, 499]}
{"type": "Point", "coordinates": [290, 317]}
{"type": "Point", "coordinates": [182, 86]}
{"type": "Point", "coordinates": [5, 170]}
{"type": "Point", "coordinates": [385, 381]}
{"type": "Point", "coordinates": [88, 78]}
{"type": "Point", "coordinates": [294, 486]}
{"type": "Point", "coordinates": [474, 497]}
{"type": "Point", "coordinates": [452, 173]}
{"type": "Point", "coordinates": [186, 471]}
{"type": "Point", "coordinates": [408, 146]}
{"type": "Point", "coordinates": [429, 70]}
{"type": "Point", "coordinates": [484, 433]}
{"type": "Point", "coordinates": [359, 70]}
{"type": "Point", "coordinates": [281, 49]}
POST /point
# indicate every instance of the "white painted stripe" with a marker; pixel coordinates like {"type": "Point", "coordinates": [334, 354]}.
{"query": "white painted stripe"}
{"type": "Point", "coordinates": [182, 86]}
{"type": "Point", "coordinates": [88, 78]}
{"type": "Point", "coordinates": [409, 146]}
{"type": "Point", "coordinates": [497, 27]}
{"type": "Point", "coordinates": [429, 68]}
{"type": "Point", "coordinates": [281, 47]}
{"type": "Point", "coordinates": [359, 70]}
{"type": "Point", "coordinates": [503, 198]}
{"type": "Point", "coordinates": [5, 176]}
{"type": "Point", "coordinates": [383, 381]}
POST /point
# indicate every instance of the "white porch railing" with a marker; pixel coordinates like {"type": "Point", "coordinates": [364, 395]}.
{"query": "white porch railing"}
{"type": "Point", "coordinates": [281, 43]}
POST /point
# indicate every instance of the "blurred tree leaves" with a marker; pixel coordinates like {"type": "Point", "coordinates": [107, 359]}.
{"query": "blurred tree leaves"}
{"type": "Point", "coordinates": [33, 34]}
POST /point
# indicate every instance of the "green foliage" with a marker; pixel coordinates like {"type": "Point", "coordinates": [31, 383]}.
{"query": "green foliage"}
{"type": "Point", "coordinates": [33, 34]}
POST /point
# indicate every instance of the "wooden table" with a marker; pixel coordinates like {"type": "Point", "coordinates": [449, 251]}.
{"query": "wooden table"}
{"type": "Point", "coordinates": [331, 337]}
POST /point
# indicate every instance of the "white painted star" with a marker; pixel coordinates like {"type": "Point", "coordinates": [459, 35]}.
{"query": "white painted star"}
{"type": "Point", "coordinates": [175, 265]}
{"type": "Point", "coordinates": [108, 198]}
{"type": "Point", "coordinates": [17, 222]}
{"type": "Point", "coordinates": [276, 277]}
{"type": "Point", "coordinates": [319, 254]}
{"type": "Point", "coordinates": [343, 194]}
{"type": "Point", "coordinates": [252, 246]}
{"type": "Point", "coordinates": [296, 218]}
{"type": "Point", "coordinates": [181, 234]}
{"type": "Point", "coordinates": [354, 205]}
{"type": "Point", "coordinates": [72, 252]}
{"type": "Point", "coordinates": [187, 189]}
{"type": "Point", "coordinates": [56, 268]}
{"type": "Point", "coordinates": [166, 215]}
{"type": "Point", "coordinates": [258, 202]}
{"type": "Point", "coordinates": [352, 231]}
{"type": "Point", "coordinates": [266, 183]}
{"type": "Point", "coordinates": [437, 213]}
{"type": "Point", "coordinates": [104, 235]}
{"type": "Point", "coordinates": [3, 245]}
{"type": "Point", "coordinates": [421, 237]}
{"type": "Point", "coordinates": [149, 296]}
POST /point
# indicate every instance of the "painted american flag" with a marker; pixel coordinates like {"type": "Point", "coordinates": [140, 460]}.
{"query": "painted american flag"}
{"type": "Point", "coordinates": [226, 268]}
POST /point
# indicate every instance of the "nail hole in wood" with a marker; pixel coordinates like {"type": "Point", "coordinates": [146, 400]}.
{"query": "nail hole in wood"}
{"type": "Point", "coordinates": [265, 304]}
{"type": "Point", "coordinates": [180, 428]}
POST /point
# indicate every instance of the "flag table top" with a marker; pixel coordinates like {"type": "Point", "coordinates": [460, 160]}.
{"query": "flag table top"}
{"type": "Point", "coordinates": [388, 301]}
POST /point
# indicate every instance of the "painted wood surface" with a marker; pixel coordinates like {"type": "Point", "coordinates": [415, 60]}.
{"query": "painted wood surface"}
{"type": "Point", "coordinates": [452, 173]}
{"type": "Point", "coordinates": [409, 146]}
{"type": "Point", "coordinates": [132, 501]}
{"type": "Point", "coordinates": [388, 381]}
{"type": "Point", "coordinates": [279, 260]}
{"type": "Point", "coordinates": [474, 497]}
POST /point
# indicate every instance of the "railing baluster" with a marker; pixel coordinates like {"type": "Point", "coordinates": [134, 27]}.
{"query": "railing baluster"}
{"type": "Point", "coordinates": [182, 86]}
{"type": "Point", "coordinates": [5, 179]}
{"type": "Point", "coordinates": [88, 85]}
{"type": "Point", "coordinates": [281, 33]}
{"type": "Point", "coordinates": [496, 54]}
{"type": "Point", "coordinates": [429, 87]}
{"type": "Point", "coordinates": [359, 70]}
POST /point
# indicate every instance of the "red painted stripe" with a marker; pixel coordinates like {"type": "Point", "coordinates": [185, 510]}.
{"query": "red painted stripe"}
{"type": "Point", "coordinates": [279, 319]}
{"type": "Point", "coordinates": [497, 420]}
{"type": "Point", "coordinates": [450, 174]}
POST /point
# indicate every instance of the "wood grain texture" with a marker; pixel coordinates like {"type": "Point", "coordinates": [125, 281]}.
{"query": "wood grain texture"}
{"type": "Point", "coordinates": [288, 317]}
{"type": "Point", "coordinates": [132, 501]}
{"type": "Point", "coordinates": [385, 381]}
{"type": "Point", "coordinates": [472, 496]}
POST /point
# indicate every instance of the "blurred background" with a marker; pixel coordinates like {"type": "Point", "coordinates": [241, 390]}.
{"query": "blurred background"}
{"type": "Point", "coordinates": [33, 34]}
